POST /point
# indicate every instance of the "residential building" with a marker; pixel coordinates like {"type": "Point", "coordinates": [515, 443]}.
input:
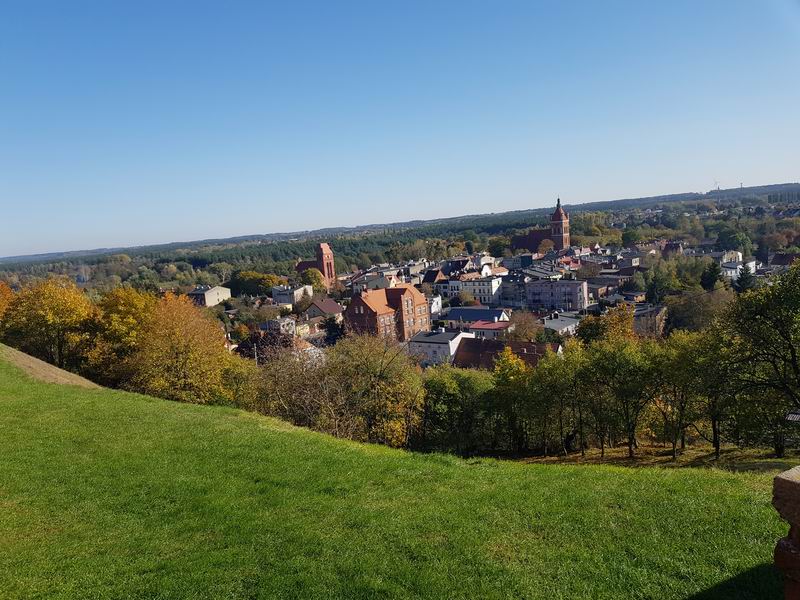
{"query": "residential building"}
{"type": "Point", "coordinates": [281, 325]}
{"type": "Point", "coordinates": [489, 330]}
{"type": "Point", "coordinates": [731, 270]}
{"type": "Point", "coordinates": [564, 294]}
{"type": "Point", "coordinates": [323, 262]}
{"type": "Point", "coordinates": [485, 290]}
{"type": "Point", "coordinates": [205, 295]}
{"type": "Point", "coordinates": [649, 320]}
{"type": "Point", "coordinates": [481, 353]}
{"type": "Point", "coordinates": [286, 294]}
{"type": "Point", "coordinates": [399, 312]}
{"type": "Point", "coordinates": [436, 347]}
{"type": "Point", "coordinates": [325, 307]}
{"type": "Point", "coordinates": [512, 290]}
{"type": "Point", "coordinates": [457, 318]}
{"type": "Point", "coordinates": [561, 324]}
{"type": "Point", "coordinates": [435, 305]}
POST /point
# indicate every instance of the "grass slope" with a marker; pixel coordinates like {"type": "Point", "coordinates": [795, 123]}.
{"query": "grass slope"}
{"type": "Point", "coordinates": [105, 494]}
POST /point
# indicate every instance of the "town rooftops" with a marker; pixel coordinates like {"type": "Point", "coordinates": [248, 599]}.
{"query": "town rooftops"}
{"type": "Point", "coordinates": [436, 337]}
{"type": "Point", "coordinates": [477, 353]}
{"type": "Point", "coordinates": [469, 314]}
{"type": "Point", "coordinates": [490, 325]}
{"type": "Point", "coordinates": [328, 306]}
{"type": "Point", "coordinates": [204, 289]}
{"type": "Point", "coordinates": [378, 300]}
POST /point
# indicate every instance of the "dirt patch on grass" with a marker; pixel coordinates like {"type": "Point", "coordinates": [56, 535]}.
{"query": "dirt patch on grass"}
{"type": "Point", "coordinates": [42, 371]}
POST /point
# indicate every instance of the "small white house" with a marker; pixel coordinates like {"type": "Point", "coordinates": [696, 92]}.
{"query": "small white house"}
{"type": "Point", "coordinates": [204, 295]}
{"type": "Point", "coordinates": [436, 347]}
{"type": "Point", "coordinates": [731, 270]}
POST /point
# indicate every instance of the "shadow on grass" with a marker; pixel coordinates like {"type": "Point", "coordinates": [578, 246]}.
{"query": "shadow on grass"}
{"type": "Point", "coordinates": [763, 582]}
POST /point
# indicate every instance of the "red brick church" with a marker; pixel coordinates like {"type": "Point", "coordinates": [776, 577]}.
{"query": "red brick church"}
{"type": "Point", "coordinates": [558, 233]}
{"type": "Point", "coordinates": [323, 262]}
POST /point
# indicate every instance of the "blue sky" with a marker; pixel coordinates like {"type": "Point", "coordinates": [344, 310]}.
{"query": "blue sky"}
{"type": "Point", "coordinates": [126, 123]}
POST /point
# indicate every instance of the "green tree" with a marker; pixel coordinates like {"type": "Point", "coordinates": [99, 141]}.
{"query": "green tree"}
{"type": "Point", "coordinates": [746, 280]}
{"type": "Point", "coordinates": [712, 274]}
{"type": "Point", "coordinates": [314, 278]}
{"type": "Point", "coordinates": [509, 395]}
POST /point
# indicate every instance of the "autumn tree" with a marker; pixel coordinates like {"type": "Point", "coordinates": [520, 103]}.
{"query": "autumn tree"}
{"type": "Point", "coordinates": [381, 378]}
{"type": "Point", "coordinates": [180, 354]}
{"type": "Point", "coordinates": [50, 320]}
{"type": "Point", "coordinates": [617, 322]}
{"type": "Point", "coordinates": [253, 283]}
{"type": "Point", "coordinates": [117, 327]}
{"type": "Point", "coordinates": [545, 246]}
{"type": "Point", "coordinates": [509, 395]}
{"type": "Point", "coordinates": [6, 295]}
{"type": "Point", "coordinates": [526, 327]}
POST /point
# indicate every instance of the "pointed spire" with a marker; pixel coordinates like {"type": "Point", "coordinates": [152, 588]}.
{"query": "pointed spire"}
{"type": "Point", "coordinates": [558, 202]}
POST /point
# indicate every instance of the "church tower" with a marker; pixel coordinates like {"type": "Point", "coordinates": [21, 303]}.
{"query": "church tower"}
{"type": "Point", "coordinates": [559, 227]}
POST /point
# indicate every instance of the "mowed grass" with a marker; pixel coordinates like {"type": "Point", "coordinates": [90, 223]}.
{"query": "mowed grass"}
{"type": "Point", "coordinates": [106, 494]}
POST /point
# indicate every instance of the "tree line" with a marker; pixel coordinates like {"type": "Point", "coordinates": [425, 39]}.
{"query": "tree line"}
{"type": "Point", "coordinates": [733, 381]}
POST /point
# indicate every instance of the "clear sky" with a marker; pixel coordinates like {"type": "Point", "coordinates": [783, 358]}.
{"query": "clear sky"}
{"type": "Point", "coordinates": [125, 123]}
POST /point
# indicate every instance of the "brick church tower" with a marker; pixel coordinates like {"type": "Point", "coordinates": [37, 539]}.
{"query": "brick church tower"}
{"type": "Point", "coordinates": [325, 264]}
{"type": "Point", "coordinates": [559, 227]}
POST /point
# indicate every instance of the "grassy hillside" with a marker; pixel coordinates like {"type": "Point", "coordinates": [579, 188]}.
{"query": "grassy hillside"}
{"type": "Point", "coordinates": [105, 494]}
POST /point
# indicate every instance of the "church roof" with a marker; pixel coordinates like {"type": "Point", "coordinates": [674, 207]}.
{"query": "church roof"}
{"type": "Point", "coordinates": [558, 214]}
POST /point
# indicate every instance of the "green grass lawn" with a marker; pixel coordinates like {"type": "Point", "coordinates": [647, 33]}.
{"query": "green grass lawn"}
{"type": "Point", "coordinates": [105, 494]}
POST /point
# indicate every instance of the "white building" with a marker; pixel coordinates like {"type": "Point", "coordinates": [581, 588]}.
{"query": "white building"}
{"type": "Point", "coordinates": [204, 295]}
{"type": "Point", "coordinates": [286, 294]}
{"type": "Point", "coordinates": [485, 290]}
{"type": "Point", "coordinates": [436, 347]}
{"type": "Point", "coordinates": [731, 270]}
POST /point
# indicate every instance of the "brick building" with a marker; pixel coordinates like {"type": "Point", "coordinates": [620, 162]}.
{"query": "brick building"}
{"type": "Point", "coordinates": [399, 312]}
{"type": "Point", "coordinates": [558, 233]}
{"type": "Point", "coordinates": [323, 262]}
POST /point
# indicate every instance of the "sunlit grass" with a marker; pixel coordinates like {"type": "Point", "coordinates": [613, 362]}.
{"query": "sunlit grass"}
{"type": "Point", "coordinates": [105, 494]}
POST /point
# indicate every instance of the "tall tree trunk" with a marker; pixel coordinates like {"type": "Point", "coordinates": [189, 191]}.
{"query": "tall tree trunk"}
{"type": "Point", "coordinates": [715, 435]}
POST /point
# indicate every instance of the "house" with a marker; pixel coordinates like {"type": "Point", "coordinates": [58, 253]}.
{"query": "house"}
{"type": "Point", "coordinates": [325, 307]}
{"type": "Point", "coordinates": [286, 294]}
{"type": "Point", "coordinates": [731, 270]}
{"type": "Point", "coordinates": [436, 347]}
{"type": "Point", "coordinates": [649, 320]}
{"type": "Point", "coordinates": [489, 330]}
{"type": "Point", "coordinates": [561, 324]}
{"type": "Point", "coordinates": [205, 295]}
{"type": "Point", "coordinates": [481, 354]}
{"type": "Point", "coordinates": [323, 262]}
{"type": "Point", "coordinates": [456, 318]}
{"type": "Point", "coordinates": [512, 290]}
{"type": "Point", "coordinates": [565, 294]}
{"type": "Point", "coordinates": [435, 305]}
{"type": "Point", "coordinates": [485, 290]}
{"type": "Point", "coordinates": [399, 312]}
{"type": "Point", "coordinates": [281, 325]}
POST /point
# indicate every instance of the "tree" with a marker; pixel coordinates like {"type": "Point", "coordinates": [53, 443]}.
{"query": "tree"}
{"type": "Point", "coordinates": [711, 275]}
{"type": "Point", "coordinates": [630, 237]}
{"type": "Point", "coordinates": [762, 329]}
{"type": "Point", "coordinates": [730, 239]}
{"type": "Point", "coordinates": [314, 278]}
{"type": "Point", "coordinates": [619, 373]}
{"type": "Point", "coordinates": [466, 299]}
{"type": "Point", "coordinates": [746, 280]}
{"type": "Point", "coordinates": [180, 354]}
{"type": "Point", "coordinates": [678, 383]}
{"type": "Point", "coordinates": [545, 246]}
{"type": "Point", "coordinates": [50, 320]}
{"type": "Point", "coordinates": [454, 417]}
{"type": "Point", "coordinates": [694, 310]}
{"type": "Point", "coordinates": [526, 327]}
{"type": "Point", "coordinates": [117, 327]}
{"type": "Point", "coordinates": [617, 323]}
{"type": "Point", "coordinates": [6, 295]}
{"type": "Point", "coordinates": [334, 330]}
{"type": "Point", "coordinates": [510, 382]}
{"type": "Point", "coordinates": [253, 283]}
{"type": "Point", "coordinates": [498, 246]}
{"type": "Point", "coordinates": [381, 380]}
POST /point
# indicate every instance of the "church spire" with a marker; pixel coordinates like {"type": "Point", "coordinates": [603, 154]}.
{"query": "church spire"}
{"type": "Point", "coordinates": [558, 202]}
